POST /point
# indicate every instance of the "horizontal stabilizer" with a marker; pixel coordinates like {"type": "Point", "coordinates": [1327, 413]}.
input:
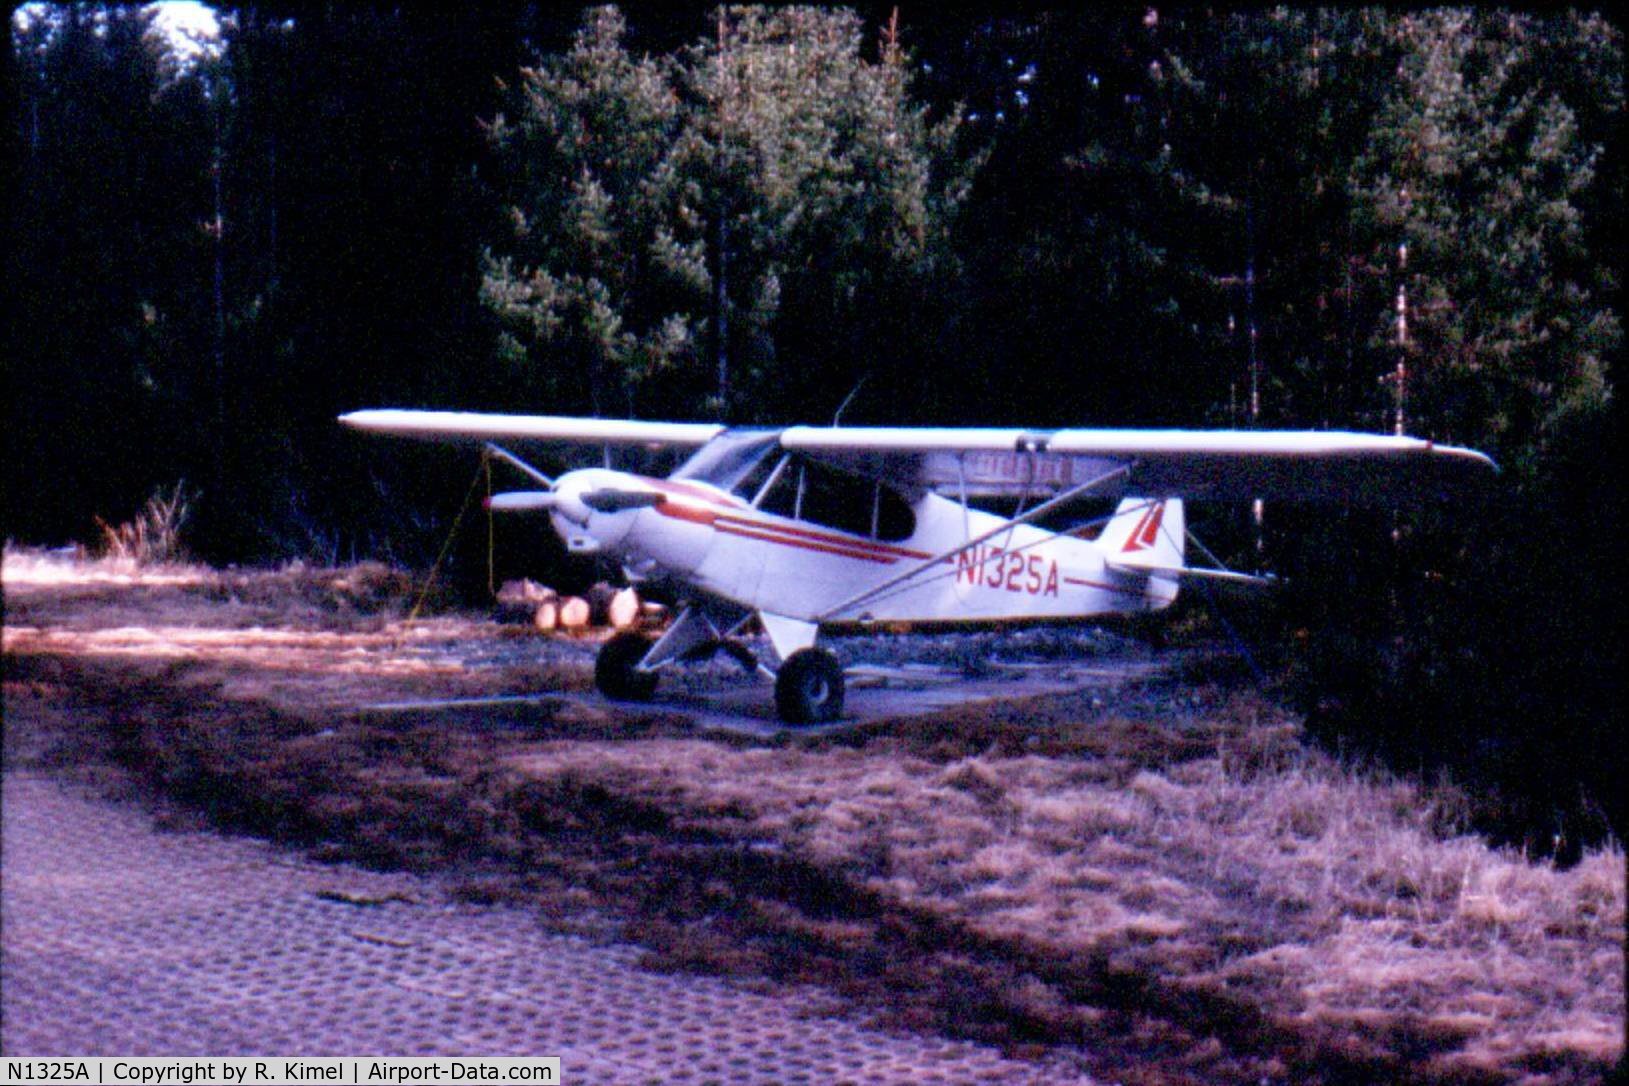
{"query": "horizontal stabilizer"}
{"type": "Point", "coordinates": [1226, 576]}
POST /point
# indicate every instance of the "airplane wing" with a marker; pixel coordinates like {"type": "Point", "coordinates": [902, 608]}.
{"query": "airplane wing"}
{"type": "Point", "coordinates": [1194, 464]}
{"type": "Point", "coordinates": [1004, 462]}
{"type": "Point", "coordinates": [556, 429]}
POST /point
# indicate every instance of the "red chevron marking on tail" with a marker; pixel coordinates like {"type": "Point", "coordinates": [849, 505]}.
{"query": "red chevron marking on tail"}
{"type": "Point", "coordinates": [1147, 531]}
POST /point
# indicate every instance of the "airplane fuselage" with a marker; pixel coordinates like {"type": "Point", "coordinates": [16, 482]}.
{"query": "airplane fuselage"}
{"type": "Point", "coordinates": [722, 545]}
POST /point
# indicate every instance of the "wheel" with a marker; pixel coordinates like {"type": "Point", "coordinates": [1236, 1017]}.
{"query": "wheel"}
{"type": "Point", "coordinates": [614, 668]}
{"type": "Point", "coordinates": [809, 688]}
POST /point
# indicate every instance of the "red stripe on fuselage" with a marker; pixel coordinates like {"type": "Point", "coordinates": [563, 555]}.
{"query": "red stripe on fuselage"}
{"type": "Point", "coordinates": [691, 490]}
{"type": "Point", "coordinates": [775, 533]}
{"type": "Point", "coordinates": [851, 542]}
{"type": "Point", "coordinates": [684, 511]}
{"type": "Point", "coordinates": [806, 545]}
{"type": "Point", "coordinates": [726, 506]}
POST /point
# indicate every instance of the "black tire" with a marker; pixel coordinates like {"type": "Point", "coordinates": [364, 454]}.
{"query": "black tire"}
{"type": "Point", "coordinates": [809, 688]}
{"type": "Point", "coordinates": [614, 670]}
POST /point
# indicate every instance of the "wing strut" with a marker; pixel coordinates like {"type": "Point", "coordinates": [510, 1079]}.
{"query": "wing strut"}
{"type": "Point", "coordinates": [1007, 525]}
{"type": "Point", "coordinates": [510, 458]}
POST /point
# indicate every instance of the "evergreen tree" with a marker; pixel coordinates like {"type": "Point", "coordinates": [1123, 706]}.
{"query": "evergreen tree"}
{"type": "Point", "coordinates": [1472, 188]}
{"type": "Point", "coordinates": [1074, 242]}
{"type": "Point", "coordinates": [591, 267]}
{"type": "Point", "coordinates": [352, 210]}
{"type": "Point", "coordinates": [667, 211]}
{"type": "Point", "coordinates": [1458, 637]}
{"type": "Point", "coordinates": [108, 241]}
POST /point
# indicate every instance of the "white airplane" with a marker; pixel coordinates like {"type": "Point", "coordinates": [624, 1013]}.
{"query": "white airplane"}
{"type": "Point", "coordinates": [814, 528]}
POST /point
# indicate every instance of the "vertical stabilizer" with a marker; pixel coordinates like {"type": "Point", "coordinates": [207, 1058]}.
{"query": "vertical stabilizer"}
{"type": "Point", "coordinates": [1145, 531]}
{"type": "Point", "coordinates": [1147, 534]}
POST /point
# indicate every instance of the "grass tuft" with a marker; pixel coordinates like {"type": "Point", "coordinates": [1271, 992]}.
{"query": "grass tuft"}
{"type": "Point", "coordinates": [153, 536]}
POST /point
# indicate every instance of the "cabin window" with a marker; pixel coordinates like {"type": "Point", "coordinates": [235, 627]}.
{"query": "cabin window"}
{"type": "Point", "coordinates": [892, 517]}
{"type": "Point", "coordinates": [762, 489]}
{"type": "Point", "coordinates": [781, 497]}
{"type": "Point", "coordinates": [807, 490]}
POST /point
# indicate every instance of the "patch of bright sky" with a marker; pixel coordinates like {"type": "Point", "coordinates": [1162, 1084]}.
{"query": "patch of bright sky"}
{"type": "Point", "coordinates": [191, 28]}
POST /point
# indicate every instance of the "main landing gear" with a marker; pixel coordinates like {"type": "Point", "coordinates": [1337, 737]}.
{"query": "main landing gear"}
{"type": "Point", "coordinates": [615, 670]}
{"type": "Point", "coordinates": [808, 687]}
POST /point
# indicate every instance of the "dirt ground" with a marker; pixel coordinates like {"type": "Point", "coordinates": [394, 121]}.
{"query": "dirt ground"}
{"type": "Point", "coordinates": [1145, 878]}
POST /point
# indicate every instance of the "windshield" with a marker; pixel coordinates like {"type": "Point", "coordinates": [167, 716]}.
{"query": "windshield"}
{"type": "Point", "coordinates": [730, 457]}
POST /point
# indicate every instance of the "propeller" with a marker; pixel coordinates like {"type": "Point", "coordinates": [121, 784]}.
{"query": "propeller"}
{"type": "Point", "coordinates": [573, 498]}
{"type": "Point", "coordinates": [614, 500]}
{"type": "Point", "coordinates": [522, 501]}
{"type": "Point", "coordinates": [573, 506]}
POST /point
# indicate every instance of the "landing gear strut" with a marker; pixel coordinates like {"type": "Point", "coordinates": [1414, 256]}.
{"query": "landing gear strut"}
{"type": "Point", "coordinates": [809, 687]}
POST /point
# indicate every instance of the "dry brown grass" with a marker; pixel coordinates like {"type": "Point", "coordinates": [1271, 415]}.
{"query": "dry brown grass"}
{"type": "Point", "coordinates": [153, 536]}
{"type": "Point", "coordinates": [1171, 881]}
{"type": "Point", "coordinates": [1331, 899]}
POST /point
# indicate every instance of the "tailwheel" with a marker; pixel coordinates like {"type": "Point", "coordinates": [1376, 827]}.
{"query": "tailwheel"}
{"type": "Point", "coordinates": [615, 668]}
{"type": "Point", "coordinates": [809, 688]}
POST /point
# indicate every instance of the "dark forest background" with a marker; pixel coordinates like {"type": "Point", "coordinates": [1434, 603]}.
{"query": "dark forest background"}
{"type": "Point", "coordinates": [1164, 217]}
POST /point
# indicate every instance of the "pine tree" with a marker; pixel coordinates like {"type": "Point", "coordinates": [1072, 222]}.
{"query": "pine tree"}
{"type": "Point", "coordinates": [1475, 176]}
{"type": "Point", "coordinates": [105, 267]}
{"type": "Point", "coordinates": [666, 210]}
{"type": "Point", "coordinates": [591, 267]}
